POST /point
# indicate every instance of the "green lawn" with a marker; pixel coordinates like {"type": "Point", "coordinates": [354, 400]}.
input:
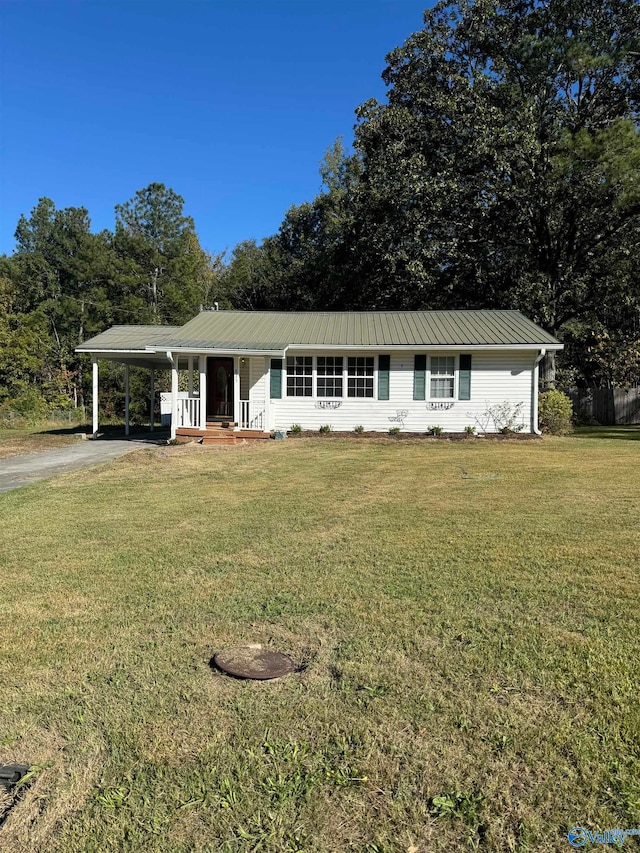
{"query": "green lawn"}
{"type": "Point", "coordinates": [467, 644]}
{"type": "Point", "coordinates": [16, 441]}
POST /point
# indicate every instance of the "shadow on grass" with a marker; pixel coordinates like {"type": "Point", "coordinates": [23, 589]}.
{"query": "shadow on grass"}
{"type": "Point", "coordinates": [629, 432]}
{"type": "Point", "coordinates": [109, 431]}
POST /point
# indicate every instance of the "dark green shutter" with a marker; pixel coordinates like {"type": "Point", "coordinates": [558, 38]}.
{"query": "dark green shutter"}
{"type": "Point", "coordinates": [419, 377]}
{"type": "Point", "coordinates": [464, 378]}
{"type": "Point", "coordinates": [384, 363]}
{"type": "Point", "coordinates": [276, 378]}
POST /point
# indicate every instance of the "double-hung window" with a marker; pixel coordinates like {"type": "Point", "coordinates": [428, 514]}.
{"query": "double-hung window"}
{"type": "Point", "coordinates": [442, 377]}
{"type": "Point", "coordinates": [299, 376]}
{"type": "Point", "coordinates": [325, 376]}
{"type": "Point", "coordinates": [329, 376]}
{"type": "Point", "coordinates": [360, 376]}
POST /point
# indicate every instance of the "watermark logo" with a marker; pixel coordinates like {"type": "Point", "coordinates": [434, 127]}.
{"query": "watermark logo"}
{"type": "Point", "coordinates": [578, 836]}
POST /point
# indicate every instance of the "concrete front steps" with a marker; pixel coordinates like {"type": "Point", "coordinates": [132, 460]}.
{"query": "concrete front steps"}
{"type": "Point", "coordinates": [219, 433]}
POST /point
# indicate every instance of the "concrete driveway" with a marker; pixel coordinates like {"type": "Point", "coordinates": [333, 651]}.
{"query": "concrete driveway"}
{"type": "Point", "coordinates": [19, 471]}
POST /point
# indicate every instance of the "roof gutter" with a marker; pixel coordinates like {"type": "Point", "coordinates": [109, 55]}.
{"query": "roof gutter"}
{"type": "Point", "coordinates": [421, 347]}
{"type": "Point", "coordinates": [534, 392]}
{"type": "Point", "coordinates": [229, 351]}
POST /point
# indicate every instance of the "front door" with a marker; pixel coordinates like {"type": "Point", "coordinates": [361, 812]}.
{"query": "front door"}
{"type": "Point", "coordinates": [220, 389]}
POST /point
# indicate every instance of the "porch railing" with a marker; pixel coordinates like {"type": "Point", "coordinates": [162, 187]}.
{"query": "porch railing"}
{"type": "Point", "coordinates": [252, 414]}
{"type": "Point", "coordinates": [189, 412]}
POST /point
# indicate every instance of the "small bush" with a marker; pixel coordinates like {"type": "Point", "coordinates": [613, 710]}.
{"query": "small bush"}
{"type": "Point", "coordinates": [435, 430]}
{"type": "Point", "coordinates": [296, 429]}
{"type": "Point", "coordinates": [394, 431]}
{"type": "Point", "coordinates": [506, 418]}
{"type": "Point", "coordinates": [359, 430]}
{"type": "Point", "coordinates": [511, 429]}
{"type": "Point", "coordinates": [326, 428]}
{"type": "Point", "coordinates": [554, 413]}
{"type": "Point", "coordinates": [470, 430]}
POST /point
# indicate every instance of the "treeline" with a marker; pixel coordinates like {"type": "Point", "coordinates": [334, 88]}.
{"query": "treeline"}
{"type": "Point", "coordinates": [64, 284]}
{"type": "Point", "coordinates": [503, 172]}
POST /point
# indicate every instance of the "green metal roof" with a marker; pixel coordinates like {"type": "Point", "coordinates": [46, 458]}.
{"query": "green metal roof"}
{"type": "Point", "coordinates": [129, 338]}
{"type": "Point", "coordinates": [266, 331]}
{"type": "Point", "coordinates": [276, 330]}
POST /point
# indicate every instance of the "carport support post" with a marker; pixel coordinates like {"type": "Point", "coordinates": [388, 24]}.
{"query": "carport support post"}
{"type": "Point", "coordinates": [126, 399]}
{"type": "Point", "coordinates": [152, 395]}
{"type": "Point", "coordinates": [95, 397]}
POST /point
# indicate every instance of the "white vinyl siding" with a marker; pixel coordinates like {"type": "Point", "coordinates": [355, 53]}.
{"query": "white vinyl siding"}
{"type": "Point", "coordinates": [496, 376]}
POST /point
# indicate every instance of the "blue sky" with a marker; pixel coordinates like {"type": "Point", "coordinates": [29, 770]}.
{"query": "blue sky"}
{"type": "Point", "coordinates": [232, 104]}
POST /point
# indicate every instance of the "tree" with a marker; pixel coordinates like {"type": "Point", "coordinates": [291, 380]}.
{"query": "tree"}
{"type": "Point", "coordinates": [63, 273]}
{"type": "Point", "coordinates": [502, 172]}
{"type": "Point", "coordinates": [164, 273]}
{"type": "Point", "coordinates": [24, 344]}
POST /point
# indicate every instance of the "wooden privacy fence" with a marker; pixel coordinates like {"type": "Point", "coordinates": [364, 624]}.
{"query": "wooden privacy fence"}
{"type": "Point", "coordinates": [608, 406]}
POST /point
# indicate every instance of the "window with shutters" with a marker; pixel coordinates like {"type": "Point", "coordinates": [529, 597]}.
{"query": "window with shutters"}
{"type": "Point", "coordinates": [442, 381]}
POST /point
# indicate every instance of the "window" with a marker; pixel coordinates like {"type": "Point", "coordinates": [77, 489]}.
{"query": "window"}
{"type": "Point", "coordinates": [329, 382]}
{"type": "Point", "coordinates": [299, 376]}
{"type": "Point", "coordinates": [360, 376]}
{"type": "Point", "coordinates": [442, 376]}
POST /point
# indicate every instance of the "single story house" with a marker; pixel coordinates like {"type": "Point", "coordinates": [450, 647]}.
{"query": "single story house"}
{"type": "Point", "coordinates": [257, 371]}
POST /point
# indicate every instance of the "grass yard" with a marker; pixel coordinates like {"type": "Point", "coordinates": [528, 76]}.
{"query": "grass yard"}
{"type": "Point", "coordinates": [468, 648]}
{"type": "Point", "coordinates": [16, 441]}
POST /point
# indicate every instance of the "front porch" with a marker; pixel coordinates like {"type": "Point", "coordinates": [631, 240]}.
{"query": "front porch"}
{"type": "Point", "coordinates": [214, 398]}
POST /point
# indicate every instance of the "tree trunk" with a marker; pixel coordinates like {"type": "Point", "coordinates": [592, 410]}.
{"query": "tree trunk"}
{"type": "Point", "coordinates": [548, 371]}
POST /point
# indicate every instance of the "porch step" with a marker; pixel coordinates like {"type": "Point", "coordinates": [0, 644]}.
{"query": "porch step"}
{"type": "Point", "coordinates": [215, 433]}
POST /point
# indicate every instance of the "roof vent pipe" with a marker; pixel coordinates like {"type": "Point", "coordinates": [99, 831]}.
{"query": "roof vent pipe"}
{"type": "Point", "coordinates": [215, 306]}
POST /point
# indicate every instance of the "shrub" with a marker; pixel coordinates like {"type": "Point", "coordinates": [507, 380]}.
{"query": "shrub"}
{"type": "Point", "coordinates": [325, 428]}
{"type": "Point", "coordinates": [435, 430]}
{"type": "Point", "coordinates": [394, 431]}
{"type": "Point", "coordinates": [359, 430]}
{"type": "Point", "coordinates": [296, 429]}
{"type": "Point", "coordinates": [506, 418]}
{"type": "Point", "coordinates": [470, 430]}
{"type": "Point", "coordinates": [554, 413]}
{"type": "Point", "coordinates": [30, 408]}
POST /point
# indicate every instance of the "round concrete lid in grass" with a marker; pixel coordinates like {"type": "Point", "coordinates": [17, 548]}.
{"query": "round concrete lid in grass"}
{"type": "Point", "coordinates": [253, 662]}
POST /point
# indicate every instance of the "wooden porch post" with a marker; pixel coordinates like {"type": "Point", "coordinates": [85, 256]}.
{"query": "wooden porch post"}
{"type": "Point", "coordinates": [202, 367]}
{"type": "Point", "coordinates": [174, 395]}
{"type": "Point", "coordinates": [95, 397]}
{"type": "Point", "coordinates": [152, 395]}
{"type": "Point", "coordinates": [126, 399]}
{"type": "Point", "coordinates": [236, 392]}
